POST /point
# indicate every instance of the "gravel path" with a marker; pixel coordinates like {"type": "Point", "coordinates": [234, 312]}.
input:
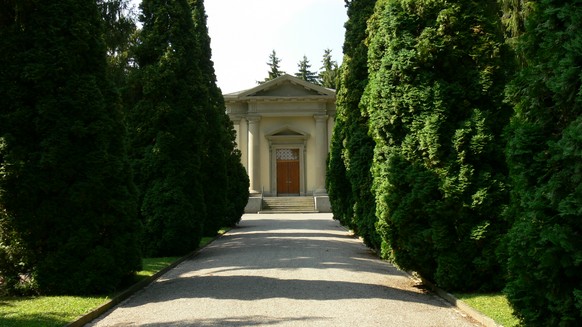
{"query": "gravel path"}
{"type": "Point", "coordinates": [284, 270]}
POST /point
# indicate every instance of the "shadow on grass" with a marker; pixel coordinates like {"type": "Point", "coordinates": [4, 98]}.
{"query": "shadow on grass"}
{"type": "Point", "coordinates": [47, 319]}
{"type": "Point", "coordinates": [12, 315]}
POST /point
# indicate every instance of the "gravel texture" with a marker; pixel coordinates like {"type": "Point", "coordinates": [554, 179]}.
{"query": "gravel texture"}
{"type": "Point", "coordinates": [285, 270]}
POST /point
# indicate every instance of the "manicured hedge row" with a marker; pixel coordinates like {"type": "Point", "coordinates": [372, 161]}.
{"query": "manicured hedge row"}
{"type": "Point", "coordinates": [78, 206]}
{"type": "Point", "coordinates": [476, 164]}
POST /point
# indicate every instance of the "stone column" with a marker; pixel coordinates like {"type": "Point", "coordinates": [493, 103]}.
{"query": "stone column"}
{"type": "Point", "coordinates": [321, 149]}
{"type": "Point", "coordinates": [254, 154]}
{"type": "Point", "coordinates": [236, 124]}
{"type": "Point", "coordinates": [244, 142]}
{"type": "Point", "coordinates": [330, 124]}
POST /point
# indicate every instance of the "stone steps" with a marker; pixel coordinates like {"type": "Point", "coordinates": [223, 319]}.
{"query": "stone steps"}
{"type": "Point", "coordinates": [295, 204]}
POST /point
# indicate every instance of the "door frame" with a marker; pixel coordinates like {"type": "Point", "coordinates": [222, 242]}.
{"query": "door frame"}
{"type": "Point", "coordinates": [291, 168]}
{"type": "Point", "coordinates": [273, 170]}
{"type": "Point", "coordinates": [285, 137]}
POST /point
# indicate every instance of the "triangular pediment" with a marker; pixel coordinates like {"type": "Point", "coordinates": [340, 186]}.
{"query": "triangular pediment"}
{"type": "Point", "coordinates": [286, 132]}
{"type": "Point", "coordinates": [286, 89]}
{"type": "Point", "coordinates": [282, 87]}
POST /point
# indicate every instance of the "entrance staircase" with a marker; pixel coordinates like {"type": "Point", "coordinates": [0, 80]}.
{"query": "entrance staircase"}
{"type": "Point", "coordinates": [294, 204]}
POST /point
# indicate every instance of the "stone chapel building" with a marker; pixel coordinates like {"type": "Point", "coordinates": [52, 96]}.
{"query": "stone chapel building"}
{"type": "Point", "coordinates": [283, 129]}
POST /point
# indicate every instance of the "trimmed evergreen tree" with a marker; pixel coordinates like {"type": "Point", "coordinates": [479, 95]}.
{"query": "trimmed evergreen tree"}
{"type": "Point", "coordinates": [168, 127]}
{"type": "Point", "coordinates": [221, 198]}
{"type": "Point", "coordinates": [213, 169]}
{"type": "Point", "coordinates": [437, 73]}
{"type": "Point", "coordinates": [67, 201]}
{"type": "Point", "coordinates": [349, 180]}
{"type": "Point", "coordinates": [304, 73]}
{"type": "Point", "coordinates": [336, 182]}
{"type": "Point", "coordinates": [238, 181]}
{"type": "Point", "coordinates": [545, 159]}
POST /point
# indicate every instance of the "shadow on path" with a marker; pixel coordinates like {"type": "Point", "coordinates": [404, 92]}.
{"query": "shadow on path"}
{"type": "Point", "coordinates": [277, 258]}
{"type": "Point", "coordinates": [286, 270]}
{"type": "Point", "coordinates": [235, 321]}
{"type": "Point", "coordinates": [250, 288]}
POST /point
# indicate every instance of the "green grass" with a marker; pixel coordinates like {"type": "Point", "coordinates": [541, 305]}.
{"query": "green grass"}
{"type": "Point", "coordinates": [57, 311]}
{"type": "Point", "coordinates": [46, 311]}
{"type": "Point", "coordinates": [153, 265]}
{"type": "Point", "coordinates": [53, 311]}
{"type": "Point", "coordinates": [49, 311]}
{"type": "Point", "coordinates": [494, 306]}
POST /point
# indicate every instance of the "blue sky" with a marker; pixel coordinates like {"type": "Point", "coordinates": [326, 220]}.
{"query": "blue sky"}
{"type": "Point", "coordinates": [244, 32]}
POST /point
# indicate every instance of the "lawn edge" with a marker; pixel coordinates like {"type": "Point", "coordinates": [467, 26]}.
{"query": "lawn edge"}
{"type": "Point", "coordinates": [459, 304]}
{"type": "Point", "coordinates": [102, 309]}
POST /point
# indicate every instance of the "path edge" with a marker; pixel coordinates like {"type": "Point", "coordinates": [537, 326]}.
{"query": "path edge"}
{"type": "Point", "coordinates": [459, 304]}
{"type": "Point", "coordinates": [451, 299]}
{"type": "Point", "coordinates": [475, 314]}
{"type": "Point", "coordinates": [102, 309]}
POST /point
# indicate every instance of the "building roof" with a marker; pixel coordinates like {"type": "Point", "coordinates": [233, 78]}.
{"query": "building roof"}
{"type": "Point", "coordinates": [285, 87]}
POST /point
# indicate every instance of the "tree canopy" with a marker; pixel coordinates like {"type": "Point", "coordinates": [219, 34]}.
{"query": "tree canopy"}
{"type": "Point", "coordinates": [435, 101]}
{"type": "Point", "coordinates": [67, 200]}
{"type": "Point", "coordinates": [329, 71]}
{"type": "Point", "coordinates": [167, 128]}
{"type": "Point", "coordinates": [349, 180]}
{"type": "Point", "coordinates": [544, 248]}
{"type": "Point", "coordinates": [274, 65]}
{"type": "Point", "coordinates": [304, 73]}
{"type": "Point", "coordinates": [224, 178]}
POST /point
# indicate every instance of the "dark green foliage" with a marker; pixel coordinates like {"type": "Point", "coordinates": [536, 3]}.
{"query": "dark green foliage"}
{"type": "Point", "coordinates": [358, 161]}
{"type": "Point", "coordinates": [544, 245]}
{"type": "Point", "coordinates": [224, 186]}
{"type": "Point", "coordinates": [213, 169]}
{"type": "Point", "coordinates": [336, 183]}
{"type": "Point", "coordinates": [119, 35]}
{"type": "Point", "coordinates": [273, 63]}
{"type": "Point", "coordinates": [437, 72]}
{"type": "Point", "coordinates": [238, 186]}
{"type": "Point", "coordinates": [329, 72]}
{"type": "Point", "coordinates": [67, 202]}
{"type": "Point", "coordinates": [304, 73]}
{"type": "Point", "coordinates": [349, 180]}
{"type": "Point", "coordinates": [118, 19]}
{"type": "Point", "coordinates": [515, 13]}
{"type": "Point", "coordinates": [167, 128]}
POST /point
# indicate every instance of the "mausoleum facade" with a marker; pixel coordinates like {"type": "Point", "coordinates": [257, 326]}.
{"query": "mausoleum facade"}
{"type": "Point", "coordinates": [283, 129]}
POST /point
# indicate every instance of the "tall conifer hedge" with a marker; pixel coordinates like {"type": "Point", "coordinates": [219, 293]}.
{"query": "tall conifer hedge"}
{"type": "Point", "coordinates": [437, 73]}
{"type": "Point", "coordinates": [545, 160]}
{"type": "Point", "coordinates": [167, 128]}
{"type": "Point", "coordinates": [238, 180]}
{"type": "Point", "coordinates": [224, 178]}
{"type": "Point", "coordinates": [214, 158]}
{"type": "Point", "coordinates": [67, 202]}
{"type": "Point", "coordinates": [349, 180]}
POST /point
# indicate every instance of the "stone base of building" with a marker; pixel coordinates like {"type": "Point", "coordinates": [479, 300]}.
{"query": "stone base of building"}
{"type": "Point", "coordinates": [254, 204]}
{"type": "Point", "coordinates": [322, 203]}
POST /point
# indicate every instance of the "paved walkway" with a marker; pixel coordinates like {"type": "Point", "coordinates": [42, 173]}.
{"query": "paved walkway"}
{"type": "Point", "coordinates": [284, 270]}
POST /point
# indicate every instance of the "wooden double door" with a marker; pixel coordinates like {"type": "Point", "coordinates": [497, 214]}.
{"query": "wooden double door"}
{"type": "Point", "coordinates": [288, 172]}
